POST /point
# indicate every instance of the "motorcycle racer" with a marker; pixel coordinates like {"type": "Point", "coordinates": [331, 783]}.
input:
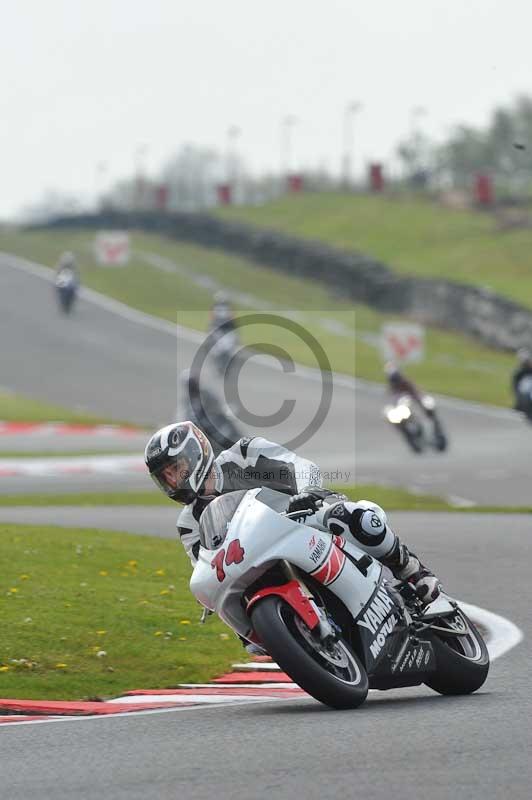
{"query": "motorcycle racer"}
{"type": "Point", "coordinates": [399, 384]}
{"type": "Point", "coordinates": [523, 370]}
{"type": "Point", "coordinates": [180, 460]}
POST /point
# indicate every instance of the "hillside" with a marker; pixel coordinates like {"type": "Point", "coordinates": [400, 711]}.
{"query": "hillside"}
{"type": "Point", "coordinates": [412, 236]}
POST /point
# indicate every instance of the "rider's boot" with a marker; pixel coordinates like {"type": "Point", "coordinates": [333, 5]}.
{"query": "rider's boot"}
{"type": "Point", "coordinates": [406, 566]}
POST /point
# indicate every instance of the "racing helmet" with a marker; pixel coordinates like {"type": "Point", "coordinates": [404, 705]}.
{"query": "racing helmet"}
{"type": "Point", "coordinates": [67, 260]}
{"type": "Point", "coordinates": [392, 372]}
{"type": "Point", "coordinates": [179, 458]}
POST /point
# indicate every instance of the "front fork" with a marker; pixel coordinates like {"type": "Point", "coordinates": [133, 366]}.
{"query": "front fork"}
{"type": "Point", "coordinates": [325, 631]}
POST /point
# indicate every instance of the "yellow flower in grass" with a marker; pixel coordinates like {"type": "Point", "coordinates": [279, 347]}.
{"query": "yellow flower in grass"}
{"type": "Point", "coordinates": [159, 572]}
{"type": "Point", "coordinates": [133, 564]}
{"type": "Point", "coordinates": [184, 622]}
{"type": "Point", "coordinates": [104, 573]}
{"type": "Point", "coordinates": [13, 590]}
{"type": "Point", "coordinates": [101, 633]}
{"type": "Point", "coordinates": [4, 668]}
{"type": "Point", "coordinates": [182, 638]}
{"type": "Point", "coordinates": [23, 577]}
{"type": "Point", "coordinates": [224, 636]}
{"type": "Point", "coordinates": [164, 591]}
{"type": "Point", "coordinates": [158, 633]}
{"type": "Point", "coordinates": [61, 666]}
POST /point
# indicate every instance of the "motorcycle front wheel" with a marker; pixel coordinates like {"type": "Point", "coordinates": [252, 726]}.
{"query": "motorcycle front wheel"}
{"type": "Point", "coordinates": [330, 672]}
{"type": "Point", "coordinates": [463, 660]}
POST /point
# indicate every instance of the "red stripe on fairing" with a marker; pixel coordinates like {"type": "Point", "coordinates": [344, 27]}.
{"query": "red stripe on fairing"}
{"type": "Point", "coordinates": [321, 572]}
{"type": "Point", "coordinates": [331, 568]}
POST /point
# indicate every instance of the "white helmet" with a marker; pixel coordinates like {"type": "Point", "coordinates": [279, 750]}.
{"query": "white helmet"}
{"type": "Point", "coordinates": [179, 458]}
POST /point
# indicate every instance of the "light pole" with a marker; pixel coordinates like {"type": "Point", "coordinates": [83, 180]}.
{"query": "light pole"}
{"type": "Point", "coordinates": [233, 134]}
{"type": "Point", "coordinates": [287, 124]}
{"type": "Point", "coordinates": [349, 114]}
{"type": "Point", "coordinates": [100, 174]}
{"type": "Point", "coordinates": [139, 156]}
{"type": "Point", "coordinates": [417, 113]}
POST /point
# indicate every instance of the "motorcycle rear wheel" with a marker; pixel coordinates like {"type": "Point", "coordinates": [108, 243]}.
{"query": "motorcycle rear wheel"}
{"type": "Point", "coordinates": [333, 675]}
{"type": "Point", "coordinates": [463, 661]}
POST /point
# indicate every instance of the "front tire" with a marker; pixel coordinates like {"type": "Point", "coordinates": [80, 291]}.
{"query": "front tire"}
{"type": "Point", "coordinates": [333, 675]}
{"type": "Point", "coordinates": [463, 662]}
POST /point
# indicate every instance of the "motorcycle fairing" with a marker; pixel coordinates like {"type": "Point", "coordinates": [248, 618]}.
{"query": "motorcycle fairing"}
{"type": "Point", "coordinates": [392, 654]}
{"type": "Point", "coordinates": [266, 537]}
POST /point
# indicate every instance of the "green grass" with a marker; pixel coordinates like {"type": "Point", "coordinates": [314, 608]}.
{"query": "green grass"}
{"type": "Point", "coordinates": [68, 594]}
{"type": "Point", "coordinates": [149, 497]}
{"type": "Point", "coordinates": [63, 453]}
{"type": "Point", "coordinates": [413, 236]}
{"type": "Point", "coordinates": [16, 408]}
{"type": "Point", "coordinates": [454, 364]}
{"type": "Point", "coordinates": [389, 497]}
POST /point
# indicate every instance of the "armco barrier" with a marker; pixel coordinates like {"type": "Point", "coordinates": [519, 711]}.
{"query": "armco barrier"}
{"type": "Point", "coordinates": [468, 309]}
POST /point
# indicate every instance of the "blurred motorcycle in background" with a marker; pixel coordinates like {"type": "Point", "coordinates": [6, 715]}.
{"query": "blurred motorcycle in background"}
{"type": "Point", "coordinates": [419, 434]}
{"type": "Point", "coordinates": [524, 396]}
{"type": "Point", "coordinates": [66, 284]}
{"type": "Point", "coordinates": [208, 411]}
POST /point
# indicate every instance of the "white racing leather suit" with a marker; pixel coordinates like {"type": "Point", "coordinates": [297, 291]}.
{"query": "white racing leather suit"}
{"type": "Point", "coordinates": [257, 462]}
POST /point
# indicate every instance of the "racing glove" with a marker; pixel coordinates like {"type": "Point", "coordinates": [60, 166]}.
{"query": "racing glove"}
{"type": "Point", "coordinates": [309, 499]}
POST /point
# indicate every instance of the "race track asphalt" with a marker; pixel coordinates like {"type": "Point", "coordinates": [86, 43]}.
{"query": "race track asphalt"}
{"type": "Point", "coordinates": [121, 364]}
{"type": "Point", "coordinates": [401, 744]}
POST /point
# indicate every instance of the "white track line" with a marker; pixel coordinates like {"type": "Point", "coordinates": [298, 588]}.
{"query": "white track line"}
{"type": "Point", "coordinates": [502, 634]}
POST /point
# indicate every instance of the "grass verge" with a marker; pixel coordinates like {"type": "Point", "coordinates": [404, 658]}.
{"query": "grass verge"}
{"type": "Point", "coordinates": [90, 613]}
{"type": "Point", "coordinates": [390, 498]}
{"type": "Point", "coordinates": [17, 408]}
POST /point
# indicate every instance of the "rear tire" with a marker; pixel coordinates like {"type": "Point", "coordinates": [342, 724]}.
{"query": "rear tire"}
{"type": "Point", "coordinates": [335, 677]}
{"type": "Point", "coordinates": [414, 439]}
{"type": "Point", "coordinates": [463, 662]}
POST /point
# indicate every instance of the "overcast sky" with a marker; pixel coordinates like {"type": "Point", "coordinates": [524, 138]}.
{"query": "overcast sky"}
{"type": "Point", "coordinates": [89, 81]}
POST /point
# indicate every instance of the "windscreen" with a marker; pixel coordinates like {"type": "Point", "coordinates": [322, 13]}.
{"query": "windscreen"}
{"type": "Point", "coordinates": [215, 519]}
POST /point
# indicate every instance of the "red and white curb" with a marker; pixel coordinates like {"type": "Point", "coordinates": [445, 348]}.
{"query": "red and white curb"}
{"type": "Point", "coordinates": [248, 683]}
{"type": "Point", "coordinates": [71, 466]}
{"type": "Point", "coordinates": [45, 429]}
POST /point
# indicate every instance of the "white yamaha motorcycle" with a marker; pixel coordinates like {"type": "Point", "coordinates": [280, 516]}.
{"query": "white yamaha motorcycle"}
{"type": "Point", "coordinates": [331, 616]}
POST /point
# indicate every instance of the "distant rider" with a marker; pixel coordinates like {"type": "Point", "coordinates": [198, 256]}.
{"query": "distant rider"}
{"type": "Point", "coordinates": [208, 411]}
{"type": "Point", "coordinates": [222, 316]}
{"type": "Point", "coordinates": [67, 270]}
{"type": "Point", "coordinates": [399, 385]}
{"type": "Point", "coordinates": [181, 462]}
{"type": "Point", "coordinates": [523, 370]}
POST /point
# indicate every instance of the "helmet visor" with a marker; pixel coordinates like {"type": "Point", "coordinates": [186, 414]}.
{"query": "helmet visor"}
{"type": "Point", "coordinates": [178, 476]}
